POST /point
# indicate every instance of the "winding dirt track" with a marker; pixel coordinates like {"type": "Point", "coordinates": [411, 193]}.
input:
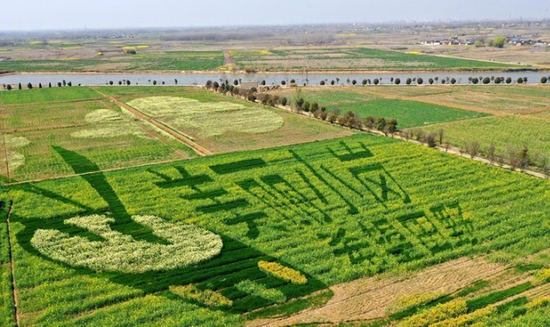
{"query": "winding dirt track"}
{"type": "Point", "coordinates": [200, 150]}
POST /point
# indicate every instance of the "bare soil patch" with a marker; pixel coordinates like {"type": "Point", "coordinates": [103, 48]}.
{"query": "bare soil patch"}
{"type": "Point", "coordinates": [371, 298]}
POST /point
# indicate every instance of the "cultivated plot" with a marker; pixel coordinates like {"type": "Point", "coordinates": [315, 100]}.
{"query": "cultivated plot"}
{"type": "Point", "coordinates": [120, 61]}
{"type": "Point", "coordinates": [33, 127]}
{"type": "Point", "coordinates": [223, 124]}
{"type": "Point", "coordinates": [352, 58]}
{"type": "Point", "coordinates": [292, 220]}
{"type": "Point", "coordinates": [509, 134]}
{"type": "Point", "coordinates": [409, 113]}
{"type": "Point", "coordinates": [500, 102]}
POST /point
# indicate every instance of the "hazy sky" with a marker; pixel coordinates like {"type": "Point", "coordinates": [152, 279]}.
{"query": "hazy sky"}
{"type": "Point", "coordinates": [76, 14]}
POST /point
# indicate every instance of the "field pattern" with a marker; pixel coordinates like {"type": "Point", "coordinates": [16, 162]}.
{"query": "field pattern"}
{"type": "Point", "coordinates": [352, 58]}
{"type": "Point", "coordinates": [331, 211]}
{"type": "Point", "coordinates": [143, 61]}
{"type": "Point", "coordinates": [78, 118]}
{"type": "Point", "coordinates": [221, 123]}
{"type": "Point", "coordinates": [209, 118]}
{"type": "Point", "coordinates": [410, 113]}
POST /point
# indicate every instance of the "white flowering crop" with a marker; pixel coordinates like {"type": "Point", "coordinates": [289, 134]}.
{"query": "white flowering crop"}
{"type": "Point", "coordinates": [209, 118]}
{"type": "Point", "coordinates": [121, 253]}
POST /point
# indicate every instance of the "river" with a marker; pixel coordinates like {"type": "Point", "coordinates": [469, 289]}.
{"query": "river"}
{"type": "Point", "coordinates": [270, 78]}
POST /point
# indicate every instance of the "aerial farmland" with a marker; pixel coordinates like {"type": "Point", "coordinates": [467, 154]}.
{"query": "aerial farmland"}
{"type": "Point", "coordinates": [275, 172]}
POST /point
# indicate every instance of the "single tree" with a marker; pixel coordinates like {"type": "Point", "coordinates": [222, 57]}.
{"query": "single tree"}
{"type": "Point", "coordinates": [391, 126]}
{"type": "Point", "coordinates": [381, 124]}
{"type": "Point", "coordinates": [306, 106]}
{"type": "Point", "coordinates": [314, 107]}
{"type": "Point", "coordinates": [29, 86]}
{"type": "Point", "coordinates": [491, 153]}
{"type": "Point", "coordinates": [369, 122]}
{"type": "Point", "coordinates": [397, 81]}
{"type": "Point", "coordinates": [9, 87]}
{"type": "Point", "coordinates": [524, 157]}
{"type": "Point", "coordinates": [440, 136]}
{"type": "Point", "coordinates": [473, 148]}
{"type": "Point", "coordinates": [419, 81]}
{"type": "Point", "coordinates": [431, 140]}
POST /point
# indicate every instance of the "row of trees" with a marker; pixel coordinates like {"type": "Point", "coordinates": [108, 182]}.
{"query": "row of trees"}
{"type": "Point", "coordinates": [348, 119]}
{"type": "Point", "coordinates": [437, 80]}
{"type": "Point", "coordinates": [516, 157]}
{"type": "Point", "coordinates": [9, 87]}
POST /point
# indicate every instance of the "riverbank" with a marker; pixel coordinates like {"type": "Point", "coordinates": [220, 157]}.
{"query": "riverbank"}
{"type": "Point", "coordinates": [281, 72]}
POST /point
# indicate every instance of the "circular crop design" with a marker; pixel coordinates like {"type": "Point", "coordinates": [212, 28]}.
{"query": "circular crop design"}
{"type": "Point", "coordinates": [121, 253]}
{"type": "Point", "coordinates": [209, 118]}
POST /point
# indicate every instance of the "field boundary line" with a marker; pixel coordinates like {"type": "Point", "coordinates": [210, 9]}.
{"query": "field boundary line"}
{"type": "Point", "coordinates": [36, 129]}
{"type": "Point", "coordinates": [6, 156]}
{"type": "Point", "coordinates": [12, 268]}
{"type": "Point", "coordinates": [17, 105]}
{"type": "Point", "coordinates": [30, 181]}
{"type": "Point", "coordinates": [200, 150]}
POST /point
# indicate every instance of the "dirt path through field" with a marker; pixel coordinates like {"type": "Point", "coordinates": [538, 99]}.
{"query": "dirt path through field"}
{"type": "Point", "coordinates": [200, 150]}
{"type": "Point", "coordinates": [228, 61]}
{"type": "Point", "coordinates": [371, 298]}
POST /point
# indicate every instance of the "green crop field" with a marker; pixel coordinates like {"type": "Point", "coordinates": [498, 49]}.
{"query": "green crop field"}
{"type": "Point", "coordinates": [353, 58]}
{"type": "Point", "coordinates": [6, 300]}
{"type": "Point", "coordinates": [327, 97]}
{"type": "Point", "coordinates": [47, 95]}
{"type": "Point", "coordinates": [142, 61]}
{"type": "Point", "coordinates": [505, 133]}
{"type": "Point", "coordinates": [324, 213]}
{"type": "Point", "coordinates": [34, 122]}
{"type": "Point", "coordinates": [409, 113]}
